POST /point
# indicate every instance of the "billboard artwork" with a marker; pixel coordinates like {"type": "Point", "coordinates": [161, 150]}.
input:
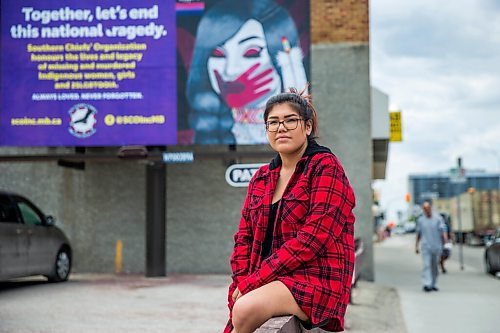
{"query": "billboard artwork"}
{"type": "Point", "coordinates": [88, 73]}
{"type": "Point", "coordinates": [234, 55]}
{"type": "Point", "coordinates": [93, 73]}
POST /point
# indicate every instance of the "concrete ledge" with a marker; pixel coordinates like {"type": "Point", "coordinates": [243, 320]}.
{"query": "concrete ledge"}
{"type": "Point", "coordinates": [285, 324]}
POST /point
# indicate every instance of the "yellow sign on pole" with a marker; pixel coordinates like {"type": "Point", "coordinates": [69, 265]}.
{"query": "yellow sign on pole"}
{"type": "Point", "coordinates": [396, 128]}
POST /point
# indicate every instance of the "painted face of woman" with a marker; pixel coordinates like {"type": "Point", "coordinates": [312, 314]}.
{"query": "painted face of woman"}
{"type": "Point", "coordinates": [241, 70]}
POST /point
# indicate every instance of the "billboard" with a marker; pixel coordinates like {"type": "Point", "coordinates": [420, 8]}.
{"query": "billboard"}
{"type": "Point", "coordinates": [152, 72]}
{"type": "Point", "coordinates": [87, 73]}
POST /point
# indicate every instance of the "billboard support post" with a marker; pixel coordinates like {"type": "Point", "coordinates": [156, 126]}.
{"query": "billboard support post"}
{"type": "Point", "coordinates": [156, 199]}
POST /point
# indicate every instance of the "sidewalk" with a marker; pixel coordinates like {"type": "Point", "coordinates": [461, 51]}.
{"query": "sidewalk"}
{"type": "Point", "coordinates": [468, 301]}
{"type": "Point", "coordinates": [376, 309]}
{"type": "Point", "coordinates": [178, 303]}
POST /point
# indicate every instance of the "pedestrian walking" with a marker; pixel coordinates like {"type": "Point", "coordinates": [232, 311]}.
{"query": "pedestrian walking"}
{"type": "Point", "coordinates": [431, 235]}
{"type": "Point", "coordinates": [294, 250]}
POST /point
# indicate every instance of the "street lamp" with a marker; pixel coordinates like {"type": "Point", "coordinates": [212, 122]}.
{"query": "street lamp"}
{"type": "Point", "coordinates": [458, 179]}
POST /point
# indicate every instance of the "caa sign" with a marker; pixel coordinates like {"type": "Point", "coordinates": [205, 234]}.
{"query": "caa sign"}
{"type": "Point", "coordinates": [239, 175]}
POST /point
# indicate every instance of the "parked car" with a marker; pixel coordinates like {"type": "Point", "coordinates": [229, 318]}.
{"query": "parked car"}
{"type": "Point", "coordinates": [492, 254]}
{"type": "Point", "coordinates": [30, 243]}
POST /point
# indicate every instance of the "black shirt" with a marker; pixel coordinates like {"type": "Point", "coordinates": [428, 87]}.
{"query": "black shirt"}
{"type": "Point", "coordinates": [268, 240]}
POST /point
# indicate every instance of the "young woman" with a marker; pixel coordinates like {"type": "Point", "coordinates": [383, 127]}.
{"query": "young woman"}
{"type": "Point", "coordinates": [294, 250]}
{"type": "Point", "coordinates": [245, 52]}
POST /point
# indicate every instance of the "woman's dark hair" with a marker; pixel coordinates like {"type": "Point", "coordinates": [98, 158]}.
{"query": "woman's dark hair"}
{"type": "Point", "coordinates": [300, 102]}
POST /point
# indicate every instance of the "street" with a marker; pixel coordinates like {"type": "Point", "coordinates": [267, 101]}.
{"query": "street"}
{"type": "Point", "coordinates": [468, 301]}
{"type": "Point", "coordinates": [109, 303]}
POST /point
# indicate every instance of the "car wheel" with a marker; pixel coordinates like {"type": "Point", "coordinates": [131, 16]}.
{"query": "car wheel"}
{"type": "Point", "coordinates": [487, 265]}
{"type": "Point", "coordinates": [62, 266]}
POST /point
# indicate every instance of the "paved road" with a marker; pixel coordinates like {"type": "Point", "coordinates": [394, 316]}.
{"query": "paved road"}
{"type": "Point", "coordinates": [101, 303]}
{"type": "Point", "coordinates": [468, 301]}
{"type": "Point", "coordinates": [176, 304]}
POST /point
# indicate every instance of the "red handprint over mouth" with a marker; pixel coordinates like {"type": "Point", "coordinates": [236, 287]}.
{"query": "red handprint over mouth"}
{"type": "Point", "coordinates": [244, 90]}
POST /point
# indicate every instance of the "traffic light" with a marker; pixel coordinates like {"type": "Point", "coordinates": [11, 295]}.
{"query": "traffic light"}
{"type": "Point", "coordinates": [408, 197]}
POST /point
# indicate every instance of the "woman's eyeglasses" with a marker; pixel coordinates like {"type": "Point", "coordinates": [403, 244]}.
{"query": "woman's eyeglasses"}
{"type": "Point", "coordinates": [289, 124]}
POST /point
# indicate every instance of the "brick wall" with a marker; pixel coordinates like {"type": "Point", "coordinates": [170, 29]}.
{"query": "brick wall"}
{"type": "Point", "coordinates": [334, 21]}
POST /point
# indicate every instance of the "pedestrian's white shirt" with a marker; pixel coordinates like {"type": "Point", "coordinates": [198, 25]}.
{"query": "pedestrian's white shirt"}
{"type": "Point", "coordinates": [431, 230]}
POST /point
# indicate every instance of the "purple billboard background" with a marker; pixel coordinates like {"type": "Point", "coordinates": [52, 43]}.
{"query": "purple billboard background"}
{"type": "Point", "coordinates": [155, 79]}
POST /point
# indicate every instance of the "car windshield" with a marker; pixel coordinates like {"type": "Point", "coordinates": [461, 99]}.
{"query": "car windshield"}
{"type": "Point", "coordinates": [29, 215]}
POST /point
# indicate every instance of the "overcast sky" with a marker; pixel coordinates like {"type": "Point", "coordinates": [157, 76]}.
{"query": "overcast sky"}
{"type": "Point", "coordinates": [439, 62]}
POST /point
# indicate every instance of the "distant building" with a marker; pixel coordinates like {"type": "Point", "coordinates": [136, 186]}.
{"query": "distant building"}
{"type": "Point", "coordinates": [442, 185]}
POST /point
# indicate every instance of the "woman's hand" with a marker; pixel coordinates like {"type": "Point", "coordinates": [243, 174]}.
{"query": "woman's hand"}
{"type": "Point", "coordinates": [236, 294]}
{"type": "Point", "coordinates": [292, 69]}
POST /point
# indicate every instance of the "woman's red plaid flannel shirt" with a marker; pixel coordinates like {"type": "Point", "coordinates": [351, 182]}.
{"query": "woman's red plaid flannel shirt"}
{"type": "Point", "coordinates": [313, 242]}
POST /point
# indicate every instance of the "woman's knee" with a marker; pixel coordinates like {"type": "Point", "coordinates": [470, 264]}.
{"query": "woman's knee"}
{"type": "Point", "coordinates": [243, 310]}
